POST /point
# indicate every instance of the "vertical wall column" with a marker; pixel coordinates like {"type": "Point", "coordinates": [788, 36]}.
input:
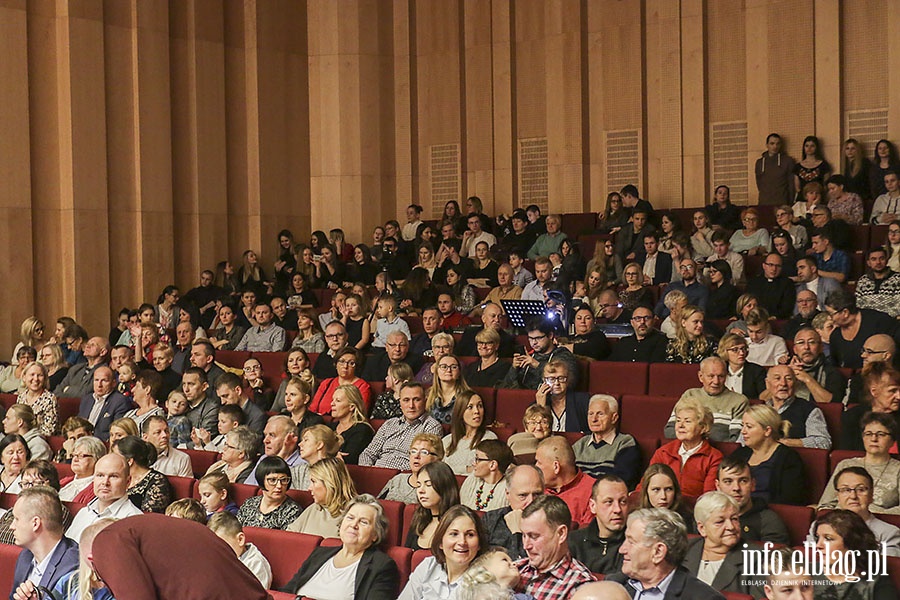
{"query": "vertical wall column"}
{"type": "Point", "coordinates": [694, 113]}
{"type": "Point", "coordinates": [406, 149]}
{"type": "Point", "coordinates": [17, 295]}
{"type": "Point", "coordinates": [829, 107]}
{"type": "Point", "coordinates": [69, 160]}
{"type": "Point", "coordinates": [503, 105]}
{"type": "Point", "coordinates": [757, 35]}
{"type": "Point", "coordinates": [478, 100]}
{"type": "Point", "coordinates": [892, 73]}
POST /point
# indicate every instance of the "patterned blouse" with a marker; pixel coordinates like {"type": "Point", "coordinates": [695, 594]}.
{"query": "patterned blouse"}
{"type": "Point", "coordinates": [250, 516]}
{"type": "Point", "coordinates": [46, 411]}
{"type": "Point", "coordinates": [386, 406]}
{"type": "Point", "coordinates": [849, 209]}
{"type": "Point", "coordinates": [152, 493]}
{"type": "Point", "coordinates": [694, 355]}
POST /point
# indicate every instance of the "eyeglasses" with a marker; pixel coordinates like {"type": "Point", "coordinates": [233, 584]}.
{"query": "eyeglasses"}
{"type": "Point", "coordinates": [275, 480]}
{"type": "Point", "coordinates": [536, 338]}
{"type": "Point", "coordinates": [484, 343]}
{"type": "Point", "coordinates": [347, 363]}
{"type": "Point", "coordinates": [441, 347]}
{"type": "Point", "coordinates": [253, 368]}
{"type": "Point", "coordinates": [478, 459]}
{"type": "Point", "coordinates": [768, 264]}
{"type": "Point", "coordinates": [534, 422]}
{"type": "Point", "coordinates": [397, 345]}
{"type": "Point", "coordinates": [846, 491]}
{"type": "Point", "coordinates": [632, 274]}
{"type": "Point", "coordinates": [739, 350]}
{"type": "Point", "coordinates": [229, 446]}
{"type": "Point", "coordinates": [641, 319]}
{"type": "Point", "coordinates": [414, 452]}
{"type": "Point", "coordinates": [871, 435]}
{"type": "Point", "coordinates": [869, 352]}
{"type": "Point", "coordinates": [334, 336]}
{"type": "Point", "coordinates": [448, 367]}
{"type": "Point", "coordinates": [686, 268]}
{"type": "Point", "coordinates": [27, 483]}
{"type": "Point", "coordinates": [82, 456]}
{"type": "Point", "coordinates": [558, 379]}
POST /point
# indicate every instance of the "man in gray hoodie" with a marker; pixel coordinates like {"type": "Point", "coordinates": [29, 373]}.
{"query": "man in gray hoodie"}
{"type": "Point", "coordinates": [775, 174]}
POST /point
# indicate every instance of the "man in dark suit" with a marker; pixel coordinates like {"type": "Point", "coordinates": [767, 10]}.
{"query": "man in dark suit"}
{"type": "Point", "coordinates": [646, 565]}
{"type": "Point", "coordinates": [105, 404]}
{"type": "Point", "coordinates": [38, 528]}
{"type": "Point", "coordinates": [657, 265]}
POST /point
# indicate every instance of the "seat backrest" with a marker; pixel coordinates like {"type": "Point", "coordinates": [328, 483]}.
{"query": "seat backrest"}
{"type": "Point", "coordinates": [272, 363]}
{"type": "Point", "coordinates": [302, 497]}
{"type": "Point", "coordinates": [370, 480]}
{"type": "Point", "coordinates": [815, 463]}
{"type": "Point", "coordinates": [285, 550]}
{"type": "Point", "coordinates": [403, 557]}
{"type": "Point", "coordinates": [511, 405]}
{"type": "Point", "coordinates": [68, 407]}
{"type": "Point", "coordinates": [648, 446]}
{"type": "Point", "coordinates": [489, 398]}
{"type": "Point", "coordinates": [8, 400]}
{"type": "Point", "coordinates": [408, 511]}
{"type": "Point", "coordinates": [645, 416]}
{"type": "Point", "coordinates": [182, 487]}
{"type": "Point", "coordinates": [832, 411]}
{"type": "Point", "coordinates": [618, 378]}
{"type": "Point", "coordinates": [393, 510]}
{"type": "Point", "coordinates": [241, 491]}
{"type": "Point", "coordinates": [201, 461]}
{"type": "Point", "coordinates": [672, 379]}
{"type": "Point", "coordinates": [64, 470]}
{"type": "Point", "coordinates": [232, 358]}
{"type": "Point", "coordinates": [836, 456]}
{"type": "Point", "coordinates": [797, 519]}
{"type": "Point", "coordinates": [9, 554]}
{"type": "Point", "coordinates": [417, 557]}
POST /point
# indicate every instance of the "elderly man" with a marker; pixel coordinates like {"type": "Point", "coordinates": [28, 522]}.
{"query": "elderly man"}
{"type": "Point", "coordinates": [230, 391]}
{"type": "Point", "coordinates": [816, 378]}
{"type": "Point", "coordinates": [543, 280]}
{"type": "Point", "coordinates": [118, 356]}
{"type": "Point", "coordinates": [549, 572]}
{"type": "Point", "coordinates": [852, 327]}
{"type": "Point", "coordinates": [562, 478]}
{"type": "Point", "coordinates": [854, 486]}
{"type": "Point", "coordinates": [568, 407]}
{"type": "Point", "coordinates": [601, 590]}
{"type": "Point", "coordinates": [727, 407]}
{"type": "Point", "coordinates": [47, 555]}
{"type": "Point", "coordinates": [169, 461]}
{"type": "Point", "coordinates": [502, 526]}
{"type": "Point", "coordinates": [335, 339]}
{"type": "Point", "coordinates": [279, 439]}
{"type": "Point", "coordinates": [805, 311]}
{"type": "Point", "coordinates": [390, 446]}
{"type": "Point", "coordinates": [203, 356]}
{"type": "Point", "coordinates": [548, 243]}
{"type": "Point", "coordinates": [654, 548]}
{"type": "Point", "coordinates": [396, 351]}
{"type": "Point", "coordinates": [597, 545]}
{"type": "Point", "coordinates": [432, 322]}
{"type": "Point", "coordinates": [646, 345]}
{"type": "Point", "coordinates": [79, 380]}
{"type": "Point", "coordinates": [491, 318]}
{"type": "Point", "coordinates": [611, 310]}
{"type": "Point", "coordinates": [697, 293]}
{"type": "Point", "coordinates": [879, 288]}
{"type": "Point", "coordinates": [507, 288]}
{"type": "Point", "coordinates": [111, 478]}
{"type": "Point", "coordinates": [808, 280]}
{"type": "Point", "coordinates": [105, 404]}
{"type": "Point", "coordinates": [184, 339]}
{"type": "Point", "coordinates": [606, 452]}
{"type": "Point", "coordinates": [265, 337]}
{"type": "Point", "coordinates": [203, 408]}
{"type": "Point", "coordinates": [878, 348]}
{"type": "Point", "coordinates": [775, 292]}
{"type": "Point", "coordinates": [759, 523]}
{"type": "Point", "coordinates": [528, 369]}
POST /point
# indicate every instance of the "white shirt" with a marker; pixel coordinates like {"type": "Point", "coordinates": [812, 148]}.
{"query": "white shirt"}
{"type": "Point", "coordinates": [468, 246]}
{"type": "Point", "coordinates": [429, 580]}
{"type": "Point", "coordinates": [685, 454]}
{"type": "Point", "coordinates": [331, 582]}
{"type": "Point", "coordinates": [174, 462]}
{"type": "Point", "coordinates": [97, 409]}
{"type": "Point", "coordinates": [734, 381]}
{"type": "Point", "coordinates": [767, 352]}
{"type": "Point", "coordinates": [68, 492]}
{"type": "Point", "coordinates": [813, 286]}
{"type": "Point", "coordinates": [650, 265]}
{"type": "Point", "coordinates": [120, 509]}
{"type": "Point", "coordinates": [254, 560]}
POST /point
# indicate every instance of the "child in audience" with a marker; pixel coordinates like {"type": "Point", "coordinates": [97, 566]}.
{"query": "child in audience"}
{"type": "Point", "coordinates": [387, 405]}
{"type": "Point", "coordinates": [127, 377]}
{"type": "Point", "coordinates": [358, 330]}
{"type": "Point", "coordinates": [764, 348]}
{"type": "Point", "coordinates": [214, 489]}
{"type": "Point", "coordinates": [521, 275]}
{"type": "Point", "coordinates": [230, 416]}
{"type": "Point", "coordinates": [492, 569]}
{"type": "Point", "coordinates": [388, 321]}
{"type": "Point", "coordinates": [179, 425]}
{"type": "Point", "coordinates": [226, 526]}
{"type": "Point", "coordinates": [187, 508]}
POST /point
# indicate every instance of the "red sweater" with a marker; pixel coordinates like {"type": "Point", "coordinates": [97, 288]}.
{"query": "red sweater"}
{"type": "Point", "coordinates": [698, 475]}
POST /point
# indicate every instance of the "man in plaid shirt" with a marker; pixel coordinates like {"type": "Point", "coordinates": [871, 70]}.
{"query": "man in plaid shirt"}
{"type": "Point", "coordinates": [549, 572]}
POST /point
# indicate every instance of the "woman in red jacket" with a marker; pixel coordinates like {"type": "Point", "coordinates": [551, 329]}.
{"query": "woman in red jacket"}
{"type": "Point", "coordinates": [690, 456]}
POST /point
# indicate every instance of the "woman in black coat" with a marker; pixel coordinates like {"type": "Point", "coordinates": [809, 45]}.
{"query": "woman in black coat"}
{"type": "Point", "coordinates": [722, 293]}
{"type": "Point", "coordinates": [363, 528]}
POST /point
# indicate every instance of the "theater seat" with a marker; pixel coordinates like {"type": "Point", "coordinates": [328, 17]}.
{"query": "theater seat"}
{"type": "Point", "coordinates": [370, 480]}
{"type": "Point", "coordinates": [503, 432]}
{"type": "Point", "coordinates": [489, 398]}
{"type": "Point", "coordinates": [276, 595]}
{"type": "Point", "coordinates": [285, 550]}
{"type": "Point", "coordinates": [836, 456]}
{"type": "Point", "coordinates": [272, 364]}
{"type": "Point", "coordinates": [797, 519]}
{"type": "Point", "coordinates": [893, 569]}
{"type": "Point", "coordinates": [232, 358]}
{"type": "Point", "coordinates": [241, 491]}
{"type": "Point", "coordinates": [8, 556]}
{"type": "Point", "coordinates": [648, 446]}
{"type": "Point", "coordinates": [302, 497]}
{"type": "Point", "coordinates": [68, 407]}
{"type": "Point", "coordinates": [736, 596]}
{"type": "Point", "coordinates": [408, 511]}
{"type": "Point", "coordinates": [672, 379]}
{"type": "Point", "coordinates": [8, 400]}
{"type": "Point", "coordinates": [64, 470]}
{"type": "Point", "coordinates": [645, 416]}
{"type": "Point", "coordinates": [393, 510]}
{"type": "Point", "coordinates": [832, 411]}
{"type": "Point", "coordinates": [201, 461]}
{"type": "Point", "coordinates": [815, 462]}
{"type": "Point", "coordinates": [617, 378]}
{"type": "Point", "coordinates": [417, 557]}
{"type": "Point", "coordinates": [182, 487]}
{"type": "Point", "coordinates": [403, 557]}
{"type": "Point", "coordinates": [511, 405]}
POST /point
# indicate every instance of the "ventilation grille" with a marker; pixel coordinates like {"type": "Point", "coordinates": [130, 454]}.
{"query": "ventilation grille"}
{"type": "Point", "coordinates": [445, 177]}
{"type": "Point", "coordinates": [533, 187]}
{"type": "Point", "coordinates": [729, 159]}
{"type": "Point", "coordinates": [623, 158]}
{"type": "Point", "coordinates": [868, 126]}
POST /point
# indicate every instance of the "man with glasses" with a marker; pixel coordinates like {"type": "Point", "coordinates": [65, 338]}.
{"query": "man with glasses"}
{"type": "Point", "coordinates": [879, 288]}
{"type": "Point", "coordinates": [878, 348]}
{"type": "Point", "coordinates": [697, 293]}
{"type": "Point", "coordinates": [528, 366]}
{"type": "Point", "coordinates": [808, 280]}
{"type": "Point", "coordinates": [646, 345]}
{"type": "Point", "coordinates": [852, 326]}
{"type": "Point", "coordinates": [775, 292]}
{"type": "Point", "coordinates": [396, 351]}
{"type": "Point", "coordinates": [805, 311]}
{"type": "Point", "coordinates": [335, 339]}
{"type": "Point", "coordinates": [854, 487]}
{"type": "Point", "coordinates": [568, 407]}
{"type": "Point", "coordinates": [491, 318]}
{"type": "Point", "coordinates": [838, 230]}
{"type": "Point", "coordinates": [390, 446]}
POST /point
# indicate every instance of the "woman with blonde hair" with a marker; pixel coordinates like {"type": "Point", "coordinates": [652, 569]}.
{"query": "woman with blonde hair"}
{"type": "Point", "coordinates": [30, 334]}
{"type": "Point", "coordinates": [41, 400]}
{"type": "Point", "coordinates": [332, 490]}
{"type": "Point", "coordinates": [124, 427]}
{"type": "Point", "coordinates": [776, 468]}
{"type": "Point", "coordinates": [348, 419]}
{"type": "Point", "coordinates": [633, 292]}
{"type": "Point", "coordinates": [691, 345]}
{"type": "Point", "coordinates": [448, 384]}
{"type": "Point", "coordinates": [316, 443]}
{"type": "Point", "coordinates": [51, 355]}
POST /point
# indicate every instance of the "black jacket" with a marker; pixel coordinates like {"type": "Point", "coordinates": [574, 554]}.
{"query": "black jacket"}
{"type": "Point", "coordinates": [600, 556]}
{"type": "Point", "coordinates": [377, 576]}
{"type": "Point", "coordinates": [730, 575]}
{"type": "Point", "coordinates": [683, 585]}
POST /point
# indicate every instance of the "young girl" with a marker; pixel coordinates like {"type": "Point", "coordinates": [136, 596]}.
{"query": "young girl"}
{"type": "Point", "coordinates": [127, 377]}
{"type": "Point", "coordinates": [179, 425]}
{"type": "Point", "coordinates": [387, 406]}
{"type": "Point", "coordinates": [359, 332]}
{"type": "Point", "coordinates": [215, 494]}
{"type": "Point", "coordinates": [493, 568]}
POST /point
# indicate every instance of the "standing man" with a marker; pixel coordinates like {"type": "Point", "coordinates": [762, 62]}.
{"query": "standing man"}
{"type": "Point", "coordinates": [775, 174]}
{"type": "Point", "coordinates": [597, 545]}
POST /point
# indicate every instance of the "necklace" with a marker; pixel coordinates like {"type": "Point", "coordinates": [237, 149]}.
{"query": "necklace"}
{"type": "Point", "coordinates": [479, 505]}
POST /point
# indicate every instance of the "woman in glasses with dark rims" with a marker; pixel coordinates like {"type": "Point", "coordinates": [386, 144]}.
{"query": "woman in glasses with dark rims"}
{"type": "Point", "coordinates": [449, 384]}
{"type": "Point", "coordinates": [879, 434]}
{"type": "Point", "coordinates": [425, 449]}
{"type": "Point", "coordinates": [743, 377]}
{"type": "Point", "coordinates": [273, 509]}
{"type": "Point", "coordinates": [722, 293]}
{"type": "Point", "coordinates": [345, 361]}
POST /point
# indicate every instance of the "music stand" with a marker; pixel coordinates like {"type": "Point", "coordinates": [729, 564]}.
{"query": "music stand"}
{"type": "Point", "coordinates": [519, 312]}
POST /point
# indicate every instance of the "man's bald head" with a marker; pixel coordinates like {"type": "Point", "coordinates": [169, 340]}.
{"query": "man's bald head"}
{"type": "Point", "coordinates": [879, 348]}
{"type": "Point", "coordinates": [601, 590]}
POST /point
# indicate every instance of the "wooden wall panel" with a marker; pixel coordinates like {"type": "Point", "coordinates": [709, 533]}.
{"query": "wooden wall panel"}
{"type": "Point", "coordinates": [726, 52]}
{"type": "Point", "coordinates": [864, 65]}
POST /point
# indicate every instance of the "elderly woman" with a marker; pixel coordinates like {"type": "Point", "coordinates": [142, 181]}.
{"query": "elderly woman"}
{"type": "Point", "coordinates": [745, 303]}
{"type": "Point", "coordinates": [784, 218]}
{"type": "Point", "coordinates": [436, 491]}
{"type": "Point", "coordinates": [19, 420]}
{"type": "Point", "coordinates": [14, 454]}
{"type": "Point", "coordinates": [51, 355]}
{"type": "Point", "coordinates": [387, 405]}
{"type": "Point", "coordinates": [717, 556]}
{"type": "Point", "coordinates": [691, 345]}
{"type": "Point", "coordinates": [40, 399]}
{"type": "Point", "coordinates": [844, 205]}
{"type": "Point", "coordinates": [485, 488]}
{"type": "Point", "coordinates": [448, 384]}
{"type": "Point", "coordinates": [238, 455]}
{"type": "Point", "coordinates": [690, 455]}
{"type": "Point", "coordinates": [85, 454]}
{"type": "Point", "coordinates": [467, 429]}
{"type": "Point", "coordinates": [777, 469]}
{"type": "Point", "coordinates": [752, 239]}
{"type": "Point", "coordinates": [675, 301]}
{"type": "Point", "coordinates": [345, 361]}
{"type": "Point", "coordinates": [273, 509]}
{"type": "Point", "coordinates": [12, 376]}
{"type": "Point", "coordinates": [348, 420]}
{"type": "Point", "coordinates": [317, 442]}
{"type": "Point", "coordinates": [488, 371]}
{"type": "Point", "coordinates": [332, 490]}
{"type": "Point", "coordinates": [537, 421]}
{"type": "Point", "coordinates": [148, 489]}
{"type": "Point", "coordinates": [296, 363]}
{"type": "Point", "coordinates": [879, 434]}
{"type": "Point", "coordinates": [441, 345]}
{"type": "Point", "coordinates": [425, 448]}
{"type": "Point", "coordinates": [659, 489]}
{"type": "Point", "coordinates": [363, 528]}
{"type": "Point", "coordinates": [147, 391]}
{"type": "Point", "coordinates": [458, 539]}
{"type": "Point", "coordinates": [743, 377]}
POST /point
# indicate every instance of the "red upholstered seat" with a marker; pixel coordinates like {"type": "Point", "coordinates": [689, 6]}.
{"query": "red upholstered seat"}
{"type": "Point", "coordinates": [272, 364]}
{"type": "Point", "coordinates": [8, 556]}
{"type": "Point", "coordinates": [736, 596]}
{"type": "Point", "coordinates": [645, 416]}
{"type": "Point", "coordinates": [403, 557]}
{"type": "Point", "coordinates": [836, 456]}
{"type": "Point", "coordinates": [8, 400]}
{"type": "Point", "coordinates": [832, 412]}
{"type": "Point", "coordinates": [232, 358]}
{"type": "Point", "coordinates": [64, 470]}
{"type": "Point", "coordinates": [408, 511]}
{"type": "Point", "coordinates": [182, 487]}
{"type": "Point", "coordinates": [393, 510]}
{"type": "Point", "coordinates": [201, 461]}
{"type": "Point", "coordinates": [618, 378]}
{"type": "Point", "coordinates": [672, 379]}
{"type": "Point", "coordinates": [302, 497]}
{"type": "Point", "coordinates": [511, 405]}
{"type": "Point", "coordinates": [68, 407]}
{"type": "Point", "coordinates": [417, 557]}
{"type": "Point", "coordinates": [489, 398]}
{"type": "Point", "coordinates": [648, 446]}
{"type": "Point", "coordinates": [241, 491]}
{"type": "Point", "coordinates": [285, 550]}
{"type": "Point", "coordinates": [370, 480]}
{"type": "Point", "coordinates": [797, 519]}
